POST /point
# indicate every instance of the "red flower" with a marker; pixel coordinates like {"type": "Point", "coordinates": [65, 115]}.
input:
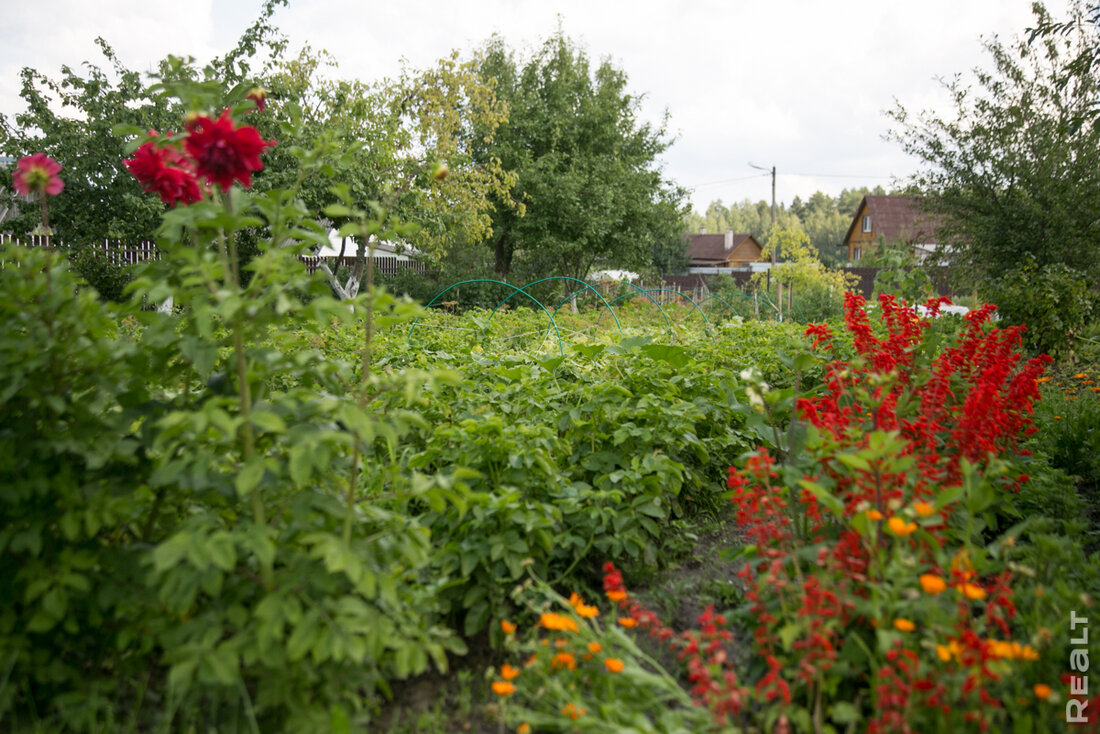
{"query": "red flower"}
{"type": "Point", "coordinates": [224, 153]}
{"type": "Point", "coordinates": [163, 171]}
{"type": "Point", "coordinates": [37, 174]}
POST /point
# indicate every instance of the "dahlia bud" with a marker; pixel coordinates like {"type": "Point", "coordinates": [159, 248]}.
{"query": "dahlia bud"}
{"type": "Point", "coordinates": [259, 96]}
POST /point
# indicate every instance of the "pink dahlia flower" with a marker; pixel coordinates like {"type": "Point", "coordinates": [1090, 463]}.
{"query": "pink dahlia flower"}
{"type": "Point", "coordinates": [37, 174]}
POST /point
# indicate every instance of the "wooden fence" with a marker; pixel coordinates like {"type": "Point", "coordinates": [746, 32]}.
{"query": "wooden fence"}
{"type": "Point", "coordinates": [865, 285]}
{"type": "Point", "coordinates": [121, 254]}
{"type": "Point", "coordinates": [114, 251]}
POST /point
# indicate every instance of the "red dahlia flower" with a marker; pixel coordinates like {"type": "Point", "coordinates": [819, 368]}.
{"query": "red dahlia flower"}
{"type": "Point", "coordinates": [163, 171]}
{"type": "Point", "coordinates": [37, 174]}
{"type": "Point", "coordinates": [223, 152]}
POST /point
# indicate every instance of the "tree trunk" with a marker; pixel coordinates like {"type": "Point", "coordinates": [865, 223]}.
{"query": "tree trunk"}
{"type": "Point", "coordinates": [502, 261]}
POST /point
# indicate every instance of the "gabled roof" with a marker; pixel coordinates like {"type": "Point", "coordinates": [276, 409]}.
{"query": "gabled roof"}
{"type": "Point", "coordinates": [896, 219]}
{"type": "Point", "coordinates": [711, 248]}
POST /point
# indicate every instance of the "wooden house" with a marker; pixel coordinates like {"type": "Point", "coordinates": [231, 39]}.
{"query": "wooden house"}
{"type": "Point", "coordinates": [727, 250]}
{"type": "Point", "coordinates": [893, 220]}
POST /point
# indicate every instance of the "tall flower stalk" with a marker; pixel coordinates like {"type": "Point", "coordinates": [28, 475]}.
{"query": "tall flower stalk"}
{"type": "Point", "coordinates": [37, 174]}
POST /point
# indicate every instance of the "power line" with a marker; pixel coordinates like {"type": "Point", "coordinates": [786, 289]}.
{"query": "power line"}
{"type": "Point", "coordinates": [787, 173]}
{"type": "Point", "coordinates": [729, 180]}
{"type": "Point", "coordinates": [833, 175]}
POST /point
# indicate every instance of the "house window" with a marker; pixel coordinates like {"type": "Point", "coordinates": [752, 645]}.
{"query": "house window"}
{"type": "Point", "coordinates": [867, 223]}
{"type": "Point", "coordinates": [856, 253]}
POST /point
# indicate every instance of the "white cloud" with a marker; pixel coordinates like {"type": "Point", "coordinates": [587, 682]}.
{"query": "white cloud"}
{"type": "Point", "coordinates": [798, 84]}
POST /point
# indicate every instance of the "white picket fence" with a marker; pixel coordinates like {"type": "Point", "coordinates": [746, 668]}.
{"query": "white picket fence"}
{"type": "Point", "coordinates": [121, 254]}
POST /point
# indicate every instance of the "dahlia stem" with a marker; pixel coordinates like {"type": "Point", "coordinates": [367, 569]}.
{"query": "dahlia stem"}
{"type": "Point", "coordinates": [370, 307]}
{"type": "Point", "coordinates": [45, 217]}
{"type": "Point", "coordinates": [231, 259]}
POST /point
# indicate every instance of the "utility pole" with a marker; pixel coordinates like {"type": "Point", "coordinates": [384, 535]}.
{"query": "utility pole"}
{"type": "Point", "coordinates": [775, 254]}
{"type": "Point", "coordinates": [772, 171]}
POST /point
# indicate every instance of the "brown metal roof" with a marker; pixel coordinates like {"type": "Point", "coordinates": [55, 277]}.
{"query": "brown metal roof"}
{"type": "Point", "coordinates": [896, 219]}
{"type": "Point", "coordinates": [708, 249]}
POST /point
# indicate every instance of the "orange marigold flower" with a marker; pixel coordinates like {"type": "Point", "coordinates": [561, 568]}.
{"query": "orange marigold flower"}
{"type": "Point", "coordinates": [573, 711]}
{"type": "Point", "coordinates": [943, 652]}
{"type": "Point", "coordinates": [1011, 650]}
{"type": "Point", "coordinates": [1080, 376]}
{"type": "Point", "coordinates": [594, 647]}
{"type": "Point", "coordinates": [553, 621]}
{"type": "Point", "coordinates": [904, 625]}
{"type": "Point", "coordinates": [628, 622]}
{"type": "Point", "coordinates": [575, 600]}
{"type": "Point", "coordinates": [961, 562]}
{"type": "Point", "coordinates": [874, 515]}
{"type": "Point", "coordinates": [613, 665]}
{"type": "Point", "coordinates": [1042, 691]}
{"type": "Point", "coordinates": [932, 584]}
{"type": "Point", "coordinates": [507, 627]}
{"type": "Point", "coordinates": [616, 595]}
{"type": "Point", "coordinates": [587, 612]}
{"type": "Point", "coordinates": [508, 672]}
{"type": "Point", "coordinates": [924, 509]}
{"type": "Point", "coordinates": [564, 660]}
{"type": "Point", "coordinates": [531, 660]}
{"type": "Point", "coordinates": [972, 591]}
{"type": "Point", "coordinates": [899, 527]}
{"type": "Point", "coordinates": [1057, 417]}
{"type": "Point", "coordinates": [1041, 380]}
{"type": "Point", "coordinates": [503, 688]}
{"type": "Point", "coordinates": [523, 728]}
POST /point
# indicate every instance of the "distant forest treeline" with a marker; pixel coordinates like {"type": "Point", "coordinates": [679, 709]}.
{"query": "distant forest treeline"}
{"type": "Point", "coordinates": [823, 218]}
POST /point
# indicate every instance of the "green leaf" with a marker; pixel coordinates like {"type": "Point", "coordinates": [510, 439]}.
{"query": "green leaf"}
{"type": "Point", "coordinates": [223, 553]}
{"type": "Point", "coordinates": [169, 553]}
{"type": "Point", "coordinates": [250, 476]}
{"type": "Point", "coordinates": [182, 673]}
{"type": "Point", "coordinates": [845, 713]}
{"type": "Point", "coordinates": [788, 634]}
{"type": "Point", "coordinates": [831, 502]}
{"type": "Point", "coordinates": [221, 665]}
{"type": "Point", "coordinates": [338, 210]}
{"type": "Point", "coordinates": [854, 461]}
{"type": "Point", "coordinates": [301, 464]}
{"type": "Point", "coordinates": [268, 421]}
{"type": "Point", "coordinates": [476, 618]}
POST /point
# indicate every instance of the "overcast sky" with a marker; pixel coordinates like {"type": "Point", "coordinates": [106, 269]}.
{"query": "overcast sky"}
{"type": "Point", "coordinates": [798, 84]}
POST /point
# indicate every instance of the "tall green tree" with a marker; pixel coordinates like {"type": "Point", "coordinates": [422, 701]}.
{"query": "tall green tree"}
{"type": "Point", "coordinates": [393, 139]}
{"type": "Point", "coordinates": [1086, 62]}
{"type": "Point", "coordinates": [589, 189]}
{"type": "Point", "coordinates": [1015, 174]}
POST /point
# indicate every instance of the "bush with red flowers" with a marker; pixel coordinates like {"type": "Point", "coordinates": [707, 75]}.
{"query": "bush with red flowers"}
{"type": "Point", "coordinates": [881, 577]}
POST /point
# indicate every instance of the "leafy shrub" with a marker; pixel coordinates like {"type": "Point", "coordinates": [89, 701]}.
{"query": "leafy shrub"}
{"type": "Point", "coordinates": [1054, 301]}
{"type": "Point", "coordinates": [877, 596]}
{"type": "Point", "coordinates": [109, 280]}
{"type": "Point", "coordinates": [1069, 416]}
